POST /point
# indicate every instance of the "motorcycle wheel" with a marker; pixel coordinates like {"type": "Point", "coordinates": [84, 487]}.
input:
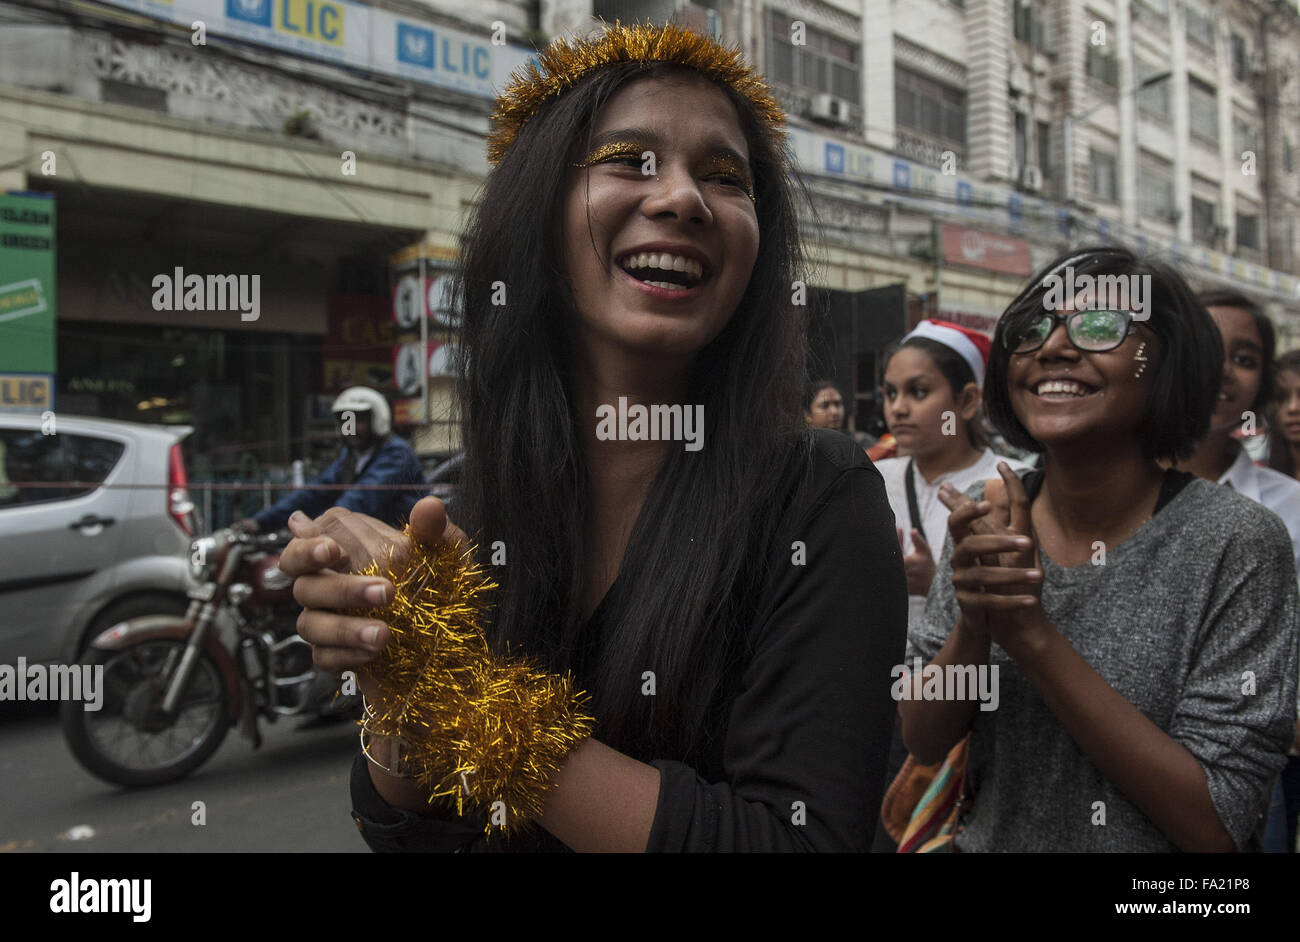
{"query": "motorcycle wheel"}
{"type": "Point", "coordinates": [129, 740]}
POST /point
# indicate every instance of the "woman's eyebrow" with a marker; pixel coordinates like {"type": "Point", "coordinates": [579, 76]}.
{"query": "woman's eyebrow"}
{"type": "Point", "coordinates": [651, 140]}
{"type": "Point", "coordinates": [641, 136]}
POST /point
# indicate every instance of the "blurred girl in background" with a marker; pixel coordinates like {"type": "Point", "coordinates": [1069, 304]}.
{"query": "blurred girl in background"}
{"type": "Point", "coordinates": [823, 405]}
{"type": "Point", "coordinates": [933, 405]}
{"type": "Point", "coordinates": [1284, 434]}
{"type": "Point", "coordinates": [934, 409]}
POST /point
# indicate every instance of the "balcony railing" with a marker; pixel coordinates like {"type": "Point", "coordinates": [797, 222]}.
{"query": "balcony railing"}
{"type": "Point", "coordinates": [925, 149]}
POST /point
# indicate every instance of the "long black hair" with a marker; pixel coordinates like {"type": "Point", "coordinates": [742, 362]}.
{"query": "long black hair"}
{"type": "Point", "coordinates": [696, 558]}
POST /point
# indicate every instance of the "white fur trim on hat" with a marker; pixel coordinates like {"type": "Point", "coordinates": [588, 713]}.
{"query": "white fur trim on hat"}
{"type": "Point", "coordinates": [957, 341]}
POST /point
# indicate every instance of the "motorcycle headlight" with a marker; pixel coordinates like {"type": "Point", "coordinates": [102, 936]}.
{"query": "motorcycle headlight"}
{"type": "Point", "coordinates": [203, 558]}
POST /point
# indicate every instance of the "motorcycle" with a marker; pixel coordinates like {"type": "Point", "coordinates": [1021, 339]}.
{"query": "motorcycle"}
{"type": "Point", "coordinates": [174, 686]}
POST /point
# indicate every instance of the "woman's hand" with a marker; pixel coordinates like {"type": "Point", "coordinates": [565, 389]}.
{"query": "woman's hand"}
{"type": "Point", "coordinates": [995, 565]}
{"type": "Point", "coordinates": [323, 558]}
{"type": "Point", "coordinates": [918, 565]}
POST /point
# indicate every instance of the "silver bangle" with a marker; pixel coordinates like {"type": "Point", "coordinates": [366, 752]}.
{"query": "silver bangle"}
{"type": "Point", "coordinates": [398, 768]}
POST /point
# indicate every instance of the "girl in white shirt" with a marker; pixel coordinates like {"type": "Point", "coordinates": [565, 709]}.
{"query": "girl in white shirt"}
{"type": "Point", "coordinates": [1247, 388]}
{"type": "Point", "coordinates": [932, 399]}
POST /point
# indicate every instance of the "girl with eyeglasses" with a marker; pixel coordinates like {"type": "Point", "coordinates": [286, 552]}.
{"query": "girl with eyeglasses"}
{"type": "Point", "coordinates": [1143, 621]}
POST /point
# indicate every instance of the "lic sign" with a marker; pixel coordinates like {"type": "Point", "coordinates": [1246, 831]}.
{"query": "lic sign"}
{"type": "Point", "coordinates": [452, 58]}
{"type": "Point", "coordinates": [316, 20]}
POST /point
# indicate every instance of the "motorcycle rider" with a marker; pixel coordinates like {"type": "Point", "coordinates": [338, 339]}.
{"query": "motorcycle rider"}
{"type": "Point", "coordinates": [371, 455]}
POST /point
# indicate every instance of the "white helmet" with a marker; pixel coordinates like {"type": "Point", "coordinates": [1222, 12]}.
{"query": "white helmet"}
{"type": "Point", "coordinates": [365, 399]}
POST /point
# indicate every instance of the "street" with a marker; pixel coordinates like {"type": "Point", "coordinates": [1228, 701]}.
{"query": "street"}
{"type": "Point", "coordinates": [290, 795]}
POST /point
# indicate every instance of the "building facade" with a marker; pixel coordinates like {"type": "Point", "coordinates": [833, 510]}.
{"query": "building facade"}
{"type": "Point", "coordinates": [949, 146]}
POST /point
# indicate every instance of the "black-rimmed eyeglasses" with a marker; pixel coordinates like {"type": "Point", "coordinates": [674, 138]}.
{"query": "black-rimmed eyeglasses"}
{"type": "Point", "coordinates": [1090, 331]}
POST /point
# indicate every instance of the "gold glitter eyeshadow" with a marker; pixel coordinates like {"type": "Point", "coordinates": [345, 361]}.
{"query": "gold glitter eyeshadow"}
{"type": "Point", "coordinates": [716, 164]}
{"type": "Point", "coordinates": [613, 149]}
{"type": "Point", "coordinates": [723, 163]}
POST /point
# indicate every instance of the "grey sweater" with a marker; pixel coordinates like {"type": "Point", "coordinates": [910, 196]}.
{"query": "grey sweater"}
{"type": "Point", "coordinates": [1180, 612]}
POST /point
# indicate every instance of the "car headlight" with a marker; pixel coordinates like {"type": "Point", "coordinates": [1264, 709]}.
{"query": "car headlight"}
{"type": "Point", "coordinates": [203, 558]}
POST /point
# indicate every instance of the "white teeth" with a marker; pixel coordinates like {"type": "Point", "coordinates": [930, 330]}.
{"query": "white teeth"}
{"type": "Point", "coordinates": [1060, 387]}
{"type": "Point", "coordinates": [689, 266]}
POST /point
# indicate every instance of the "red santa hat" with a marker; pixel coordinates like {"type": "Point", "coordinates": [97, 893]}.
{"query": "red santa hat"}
{"type": "Point", "coordinates": [972, 345]}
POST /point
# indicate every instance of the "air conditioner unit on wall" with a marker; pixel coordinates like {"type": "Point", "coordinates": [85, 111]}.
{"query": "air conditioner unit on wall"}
{"type": "Point", "coordinates": [1033, 178]}
{"type": "Point", "coordinates": [829, 108]}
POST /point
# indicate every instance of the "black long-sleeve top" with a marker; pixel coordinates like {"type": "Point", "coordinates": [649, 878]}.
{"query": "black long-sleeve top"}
{"type": "Point", "coordinates": [800, 763]}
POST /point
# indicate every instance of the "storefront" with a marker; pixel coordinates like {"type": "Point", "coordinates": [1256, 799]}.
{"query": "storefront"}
{"type": "Point", "coordinates": [253, 367]}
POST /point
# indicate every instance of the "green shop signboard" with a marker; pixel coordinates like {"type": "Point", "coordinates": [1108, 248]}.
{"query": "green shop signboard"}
{"type": "Point", "coordinates": [26, 302]}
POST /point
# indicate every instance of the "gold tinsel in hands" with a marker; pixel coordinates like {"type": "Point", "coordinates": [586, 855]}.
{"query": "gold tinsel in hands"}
{"type": "Point", "coordinates": [479, 727]}
{"type": "Point", "coordinates": [563, 64]}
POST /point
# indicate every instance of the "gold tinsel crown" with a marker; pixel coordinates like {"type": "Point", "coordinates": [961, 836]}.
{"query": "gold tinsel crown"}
{"type": "Point", "coordinates": [564, 64]}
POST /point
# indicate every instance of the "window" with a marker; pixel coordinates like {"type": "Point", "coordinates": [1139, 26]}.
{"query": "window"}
{"type": "Point", "coordinates": [27, 455]}
{"type": "Point", "coordinates": [1102, 171]}
{"type": "Point", "coordinates": [1102, 64]}
{"type": "Point", "coordinates": [1029, 24]}
{"type": "Point", "coordinates": [922, 104]}
{"type": "Point", "coordinates": [1247, 231]}
{"type": "Point", "coordinates": [1154, 100]}
{"type": "Point", "coordinates": [1156, 189]}
{"type": "Point", "coordinates": [1153, 12]}
{"type": "Point", "coordinates": [1200, 28]}
{"type": "Point", "coordinates": [1240, 57]}
{"type": "Point", "coordinates": [1043, 134]}
{"type": "Point", "coordinates": [823, 64]}
{"type": "Point", "coordinates": [1205, 223]}
{"type": "Point", "coordinates": [1203, 110]}
{"type": "Point", "coordinates": [1022, 19]}
{"type": "Point", "coordinates": [1243, 136]}
{"type": "Point", "coordinates": [1022, 140]}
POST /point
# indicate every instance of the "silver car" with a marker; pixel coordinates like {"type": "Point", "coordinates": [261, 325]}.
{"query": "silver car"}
{"type": "Point", "coordinates": [95, 525]}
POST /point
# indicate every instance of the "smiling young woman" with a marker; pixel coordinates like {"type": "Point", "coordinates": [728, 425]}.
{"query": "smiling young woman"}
{"type": "Point", "coordinates": [734, 611]}
{"type": "Point", "coordinates": [1144, 621]}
